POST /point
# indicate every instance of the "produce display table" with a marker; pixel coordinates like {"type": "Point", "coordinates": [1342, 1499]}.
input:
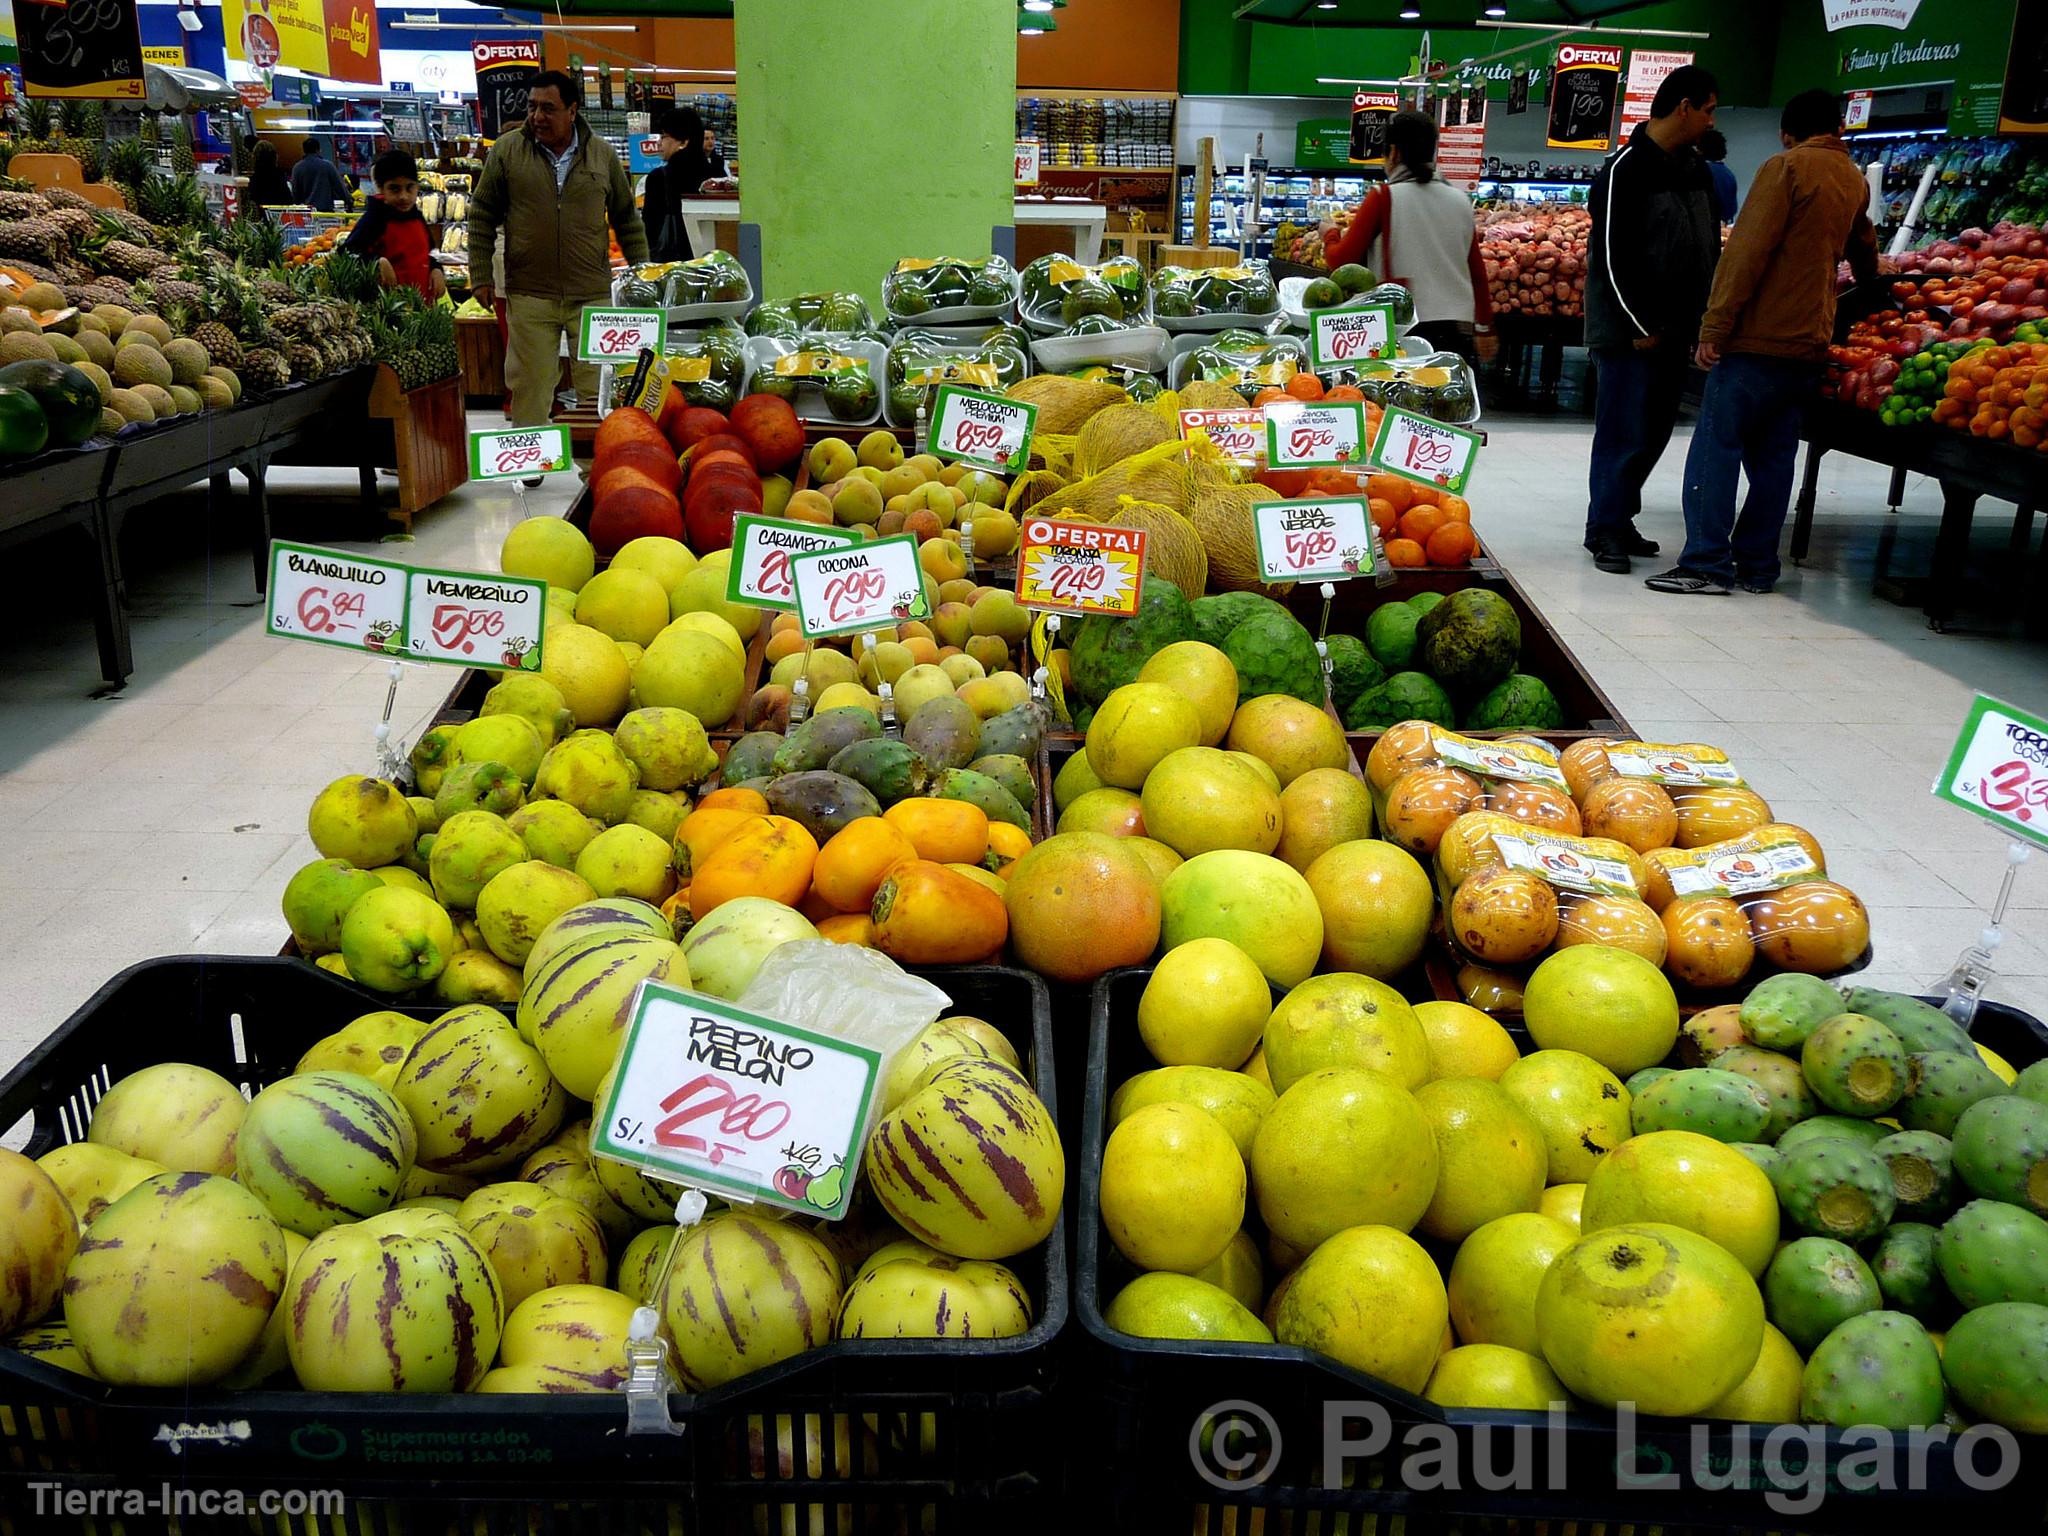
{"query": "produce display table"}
{"type": "Point", "coordinates": [1086, 220]}
{"type": "Point", "coordinates": [701, 217]}
{"type": "Point", "coordinates": [64, 490]}
{"type": "Point", "coordinates": [482, 348]}
{"type": "Point", "coordinates": [422, 434]}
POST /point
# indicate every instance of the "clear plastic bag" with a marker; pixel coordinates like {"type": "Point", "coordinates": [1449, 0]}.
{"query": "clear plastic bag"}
{"type": "Point", "coordinates": [1439, 385]}
{"type": "Point", "coordinates": [1424, 778]}
{"type": "Point", "coordinates": [1516, 891]}
{"type": "Point", "coordinates": [1246, 361]}
{"type": "Point", "coordinates": [835, 380]}
{"type": "Point", "coordinates": [947, 289]}
{"type": "Point", "coordinates": [920, 361]}
{"type": "Point", "coordinates": [708, 367]}
{"type": "Point", "coordinates": [713, 285]}
{"type": "Point", "coordinates": [1205, 298]}
{"type": "Point", "coordinates": [814, 314]}
{"type": "Point", "coordinates": [1653, 794]}
{"type": "Point", "coordinates": [1056, 291]}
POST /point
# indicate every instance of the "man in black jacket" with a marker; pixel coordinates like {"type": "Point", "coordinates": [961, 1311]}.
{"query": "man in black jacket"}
{"type": "Point", "coordinates": [1650, 258]}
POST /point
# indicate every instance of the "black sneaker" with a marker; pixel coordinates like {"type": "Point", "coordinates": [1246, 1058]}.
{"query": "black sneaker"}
{"type": "Point", "coordinates": [1679, 579]}
{"type": "Point", "coordinates": [1631, 543]}
{"type": "Point", "coordinates": [1752, 584]}
{"type": "Point", "coordinates": [1612, 559]}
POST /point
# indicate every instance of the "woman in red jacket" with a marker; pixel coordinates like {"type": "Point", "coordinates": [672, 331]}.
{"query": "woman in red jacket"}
{"type": "Point", "coordinates": [1419, 232]}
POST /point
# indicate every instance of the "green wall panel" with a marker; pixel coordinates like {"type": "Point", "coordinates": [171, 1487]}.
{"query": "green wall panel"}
{"type": "Point", "coordinates": [1960, 40]}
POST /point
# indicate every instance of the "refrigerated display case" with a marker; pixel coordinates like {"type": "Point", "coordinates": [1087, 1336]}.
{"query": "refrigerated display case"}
{"type": "Point", "coordinates": [1292, 196]}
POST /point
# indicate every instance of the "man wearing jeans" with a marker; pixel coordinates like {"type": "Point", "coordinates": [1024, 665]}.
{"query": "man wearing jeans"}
{"type": "Point", "coordinates": [1765, 339]}
{"type": "Point", "coordinates": [551, 185]}
{"type": "Point", "coordinates": [1649, 263]}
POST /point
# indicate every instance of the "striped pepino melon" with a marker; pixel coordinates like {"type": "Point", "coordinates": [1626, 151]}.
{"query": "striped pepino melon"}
{"type": "Point", "coordinates": [970, 1161]}
{"type": "Point", "coordinates": [576, 1009]}
{"type": "Point", "coordinates": [601, 919]}
{"type": "Point", "coordinates": [1172, 547]}
{"type": "Point", "coordinates": [909, 1291]}
{"type": "Point", "coordinates": [480, 1097]}
{"type": "Point", "coordinates": [534, 1238]}
{"type": "Point", "coordinates": [322, 1148]}
{"type": "Point", "coordinates": [743, 1293]}
{"type": "Point", "coordinates": [372, 1046]}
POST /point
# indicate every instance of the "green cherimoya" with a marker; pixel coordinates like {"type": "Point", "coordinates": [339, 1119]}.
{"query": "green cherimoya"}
{"type": "Point", "coordinates": [1404, 696]}
{"type": "Point", "coordinates": [1520, 702]}
{"type": "Point", "coordinates": [1470, 641]}
{"type": "Point", "coordinates": [1273, 653]}
{"type": "Point", "coordinates": [1216, 615]}
{"type": "Point", "coordinates": [1107, 653]}
{"type": "Point", "coordinates": [1352, 670]}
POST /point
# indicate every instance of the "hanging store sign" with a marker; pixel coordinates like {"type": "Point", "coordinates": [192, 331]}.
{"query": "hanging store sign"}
{"type": "Point", "coordinates": [335, 39]}
{"type": "Point", "coordinates": [1583, 86]}
{"type": "Point", "coordinates": [1869, 13]}
{"type": "Point", "coordinates": [1371, 111]}
{"type": "Point", "coordinates": [504, 74]}
{"type": "Point", "coordinates": [1646, 71]}
{"type": "Point", "coordinates": [86, 50]}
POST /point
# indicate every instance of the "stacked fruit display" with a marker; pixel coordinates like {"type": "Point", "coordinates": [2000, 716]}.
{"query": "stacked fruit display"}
{"type": "Point", "coordinates": [1535, 259]}
{"type": "Point", "coordinates": [1535, 1177]}
{"type": "Point", "coordinates": [1447, 660]}
{"type": "Point", "coordinates": [873, 489]}
{"type": "Point", "coordinates": [690, 474]}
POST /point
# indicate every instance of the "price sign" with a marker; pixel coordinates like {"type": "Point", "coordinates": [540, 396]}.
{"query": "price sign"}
{"type": "Point", "coordinates": [1999, 769]}
{"type": "Point", "coordinates": [1300, 436]}
{"type": "Point", "coordinates": [1027, 162]}
{"type": "Point", "coordinates": [336, 599]}
{"type": "Point", "coordinates": [1237, 435]}
{"type": "Point", "coordinates": [874, 585]}
{"type": "Point", "coordinates": [1425, 451]}
{"type": "Point", "coordinates": [1067, 567]}
{"type": "Point", "coordinates": [467, 619]}
{"type": "Point", "coordinates": [987, 431]}
{"type": "Point", "coordinates": [1315, 540]}
{"type": "Point", "coordinates": [761, 551]}
{"type": "Point", "coordinates": [1856, 114]}
{"type": "Point", "coordinates": [614, 335]}
{"type": "Point", "coordinates": [1337, 337]}
{"type": "Point", "coordinates": [519, 454]}
{"type": "Point", "coordinates": [710, 1095]}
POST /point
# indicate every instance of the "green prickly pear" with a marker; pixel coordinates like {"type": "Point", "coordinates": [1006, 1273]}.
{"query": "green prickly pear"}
{"type": "Point", "coordinates": [1854, 1065]}
{"type": "Point", "coordinates": [1863, 1133]}
{"type": "Point", "coordinates": [1778, 1075]}
{"type": "Point", "coordinates": [1639, 1082]}
{"type": "Point", "coordinates": [1919, 1026]}
{"type": "Point", "coordinates": [1903, 1262]}
{"type": "Point", "coordinates": [1708, 1033]}
{"type": "Point", "coordinates": [1815, 1285]}
{"type": "Point", "coordinates": [1990, 1251]}
{"type": "Point", "coordinates": [2001, 1151]}
{"type": "Point", "coordinates": [1940, 1086]}
{"type": "Point", "coordinates": [1995, 1361]}
{"type": "Point", "coordinates": [1835, 1189]}
{"type": "Point", "coordinates": [1921, 1175]}
{"type": "Point", "coordinates": [2032, 1083]}
{"type": "Point", "coordinates": [1781, 1011]}
{"type": "Point", "coordinates": [1764, 1157]}
{"type": "Point", "coordinates": [1722, 1105]}
{"type": "Point", "coordinates": [1879, 1368]}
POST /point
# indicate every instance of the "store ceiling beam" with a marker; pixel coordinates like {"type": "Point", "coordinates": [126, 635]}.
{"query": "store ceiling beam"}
{"type": "Point", "coordinates": [1376, 14]}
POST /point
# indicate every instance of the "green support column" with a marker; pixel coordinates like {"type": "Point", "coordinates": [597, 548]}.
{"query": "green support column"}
{"type": "Point", "coordinates": [873, 129]}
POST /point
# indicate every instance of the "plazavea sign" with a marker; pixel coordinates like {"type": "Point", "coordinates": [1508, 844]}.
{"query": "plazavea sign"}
{"type": "Point", "coordinates": [1869, 13]}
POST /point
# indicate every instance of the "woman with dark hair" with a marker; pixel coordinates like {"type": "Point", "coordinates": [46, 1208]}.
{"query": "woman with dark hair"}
{"type": "Point", "coordinates": [684, 168]}
{"type": "Point", "coordinates": [267, 186]}
{"type": "Point", "coordinates": [1419, 232]}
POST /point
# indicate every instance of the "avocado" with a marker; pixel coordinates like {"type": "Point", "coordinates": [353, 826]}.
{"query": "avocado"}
{"type": "Point", "coordinates": [1321, 293]}
{"type": "Point", "coordinates": [1090, 296]}
{"type": "Point", "coordinates": [1354, 279]}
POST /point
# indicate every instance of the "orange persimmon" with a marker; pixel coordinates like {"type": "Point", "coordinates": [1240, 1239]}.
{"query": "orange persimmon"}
{"type": "Point", "coordinates": [769, 856]}
{"type": "Point", "coordinates": [927, 914]}
{"type": "Point", "coordinates": [943, 831]}
{"type": "Point", "coordinates": [856, 859]}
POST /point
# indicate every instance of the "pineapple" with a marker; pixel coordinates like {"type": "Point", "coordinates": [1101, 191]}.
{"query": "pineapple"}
{"type": "Point", "coordinates": [305, 362]}
{"type": "Point", "coordinates": [79, 226]}
{"type": "Point", "coordinates": [183, 162]}
{"type": "Point", "coordinates": [264, 369]}
{"type": "Point", "coordinates": [64, 197]}
{"type": "Point", "coordinates": [125, 260]}
{"type": "Point", "coordinates": [31, 239]}
{"type": "Point", "coordinates": [126, 163]}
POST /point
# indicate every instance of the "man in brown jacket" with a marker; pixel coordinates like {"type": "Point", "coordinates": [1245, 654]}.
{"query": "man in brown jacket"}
{"type": "Point", "coordinates": [1765, 339]}
{"type": "Point", "coordinates": [552, 186]}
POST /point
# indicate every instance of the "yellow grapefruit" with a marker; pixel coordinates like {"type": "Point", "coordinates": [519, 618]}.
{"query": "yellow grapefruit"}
{"type": "Point", "coordinates": [1343, 1148]}
{"type": "Point", "coordinates": [1202, 675]}
{"type": "Point", "coordinates": [1319, 810]}
{"type": "Point", "coordinates": [1206, 1005]}
{"type": "Point", "coordinates": [1494, 1376]}
{"type": "Point", "coordinates": [1490, 1156]}
{"type": "Point", "coordinates": [1134, 728]}
{"type": "Point", "coordinates": [1690, 1181]}
{"type": "Point", "coordinates": [1369, 1298]}
{"type": "Point", "coordinates": [1377, 904]}
{"type": "Point", "coordinates": [1463, 1042]}
{"type": "Point", "coordinates": [1496, 1274]}
{"type": "Point", "coordinates": [1345, 1020]}
{"type": "Point", "coordinates": [548, 549]}
{"type": "Point", "coordinates": [1197, 800]}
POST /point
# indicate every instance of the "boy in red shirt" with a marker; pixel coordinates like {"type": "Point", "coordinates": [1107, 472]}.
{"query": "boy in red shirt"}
{"type": "Point", "coordinates": [393, 232]}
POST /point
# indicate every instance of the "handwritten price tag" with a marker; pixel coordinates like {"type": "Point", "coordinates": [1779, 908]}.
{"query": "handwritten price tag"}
{"type": "Point", "coordinates": [1425, 451]}
{"type": "Point", "coordinates": [984, 430]}
{"type": "Point", "coordinates": [875, 585]}
{"type": "Point", "coordinates": [518, 455]}
{"type": "Point", "coordinates": [710, 1095]}
{"type": "Point", "coordinates": [1028, 159]}
{"type": "Point", "coordinates": [1302, 436]}
{"type": "Point", "coordinates": [761, 551]}
{"type": "Point", "coordinates": [1080, 567]}
{"type": "Point", "coordinates": [1999, 769]}
{"type": "Point", "coordinates": [616, 335]}
{"type": "Point", "coordinates": [333, 598]}
{"type": "Point", "coordinates": [1338, 337]}
{"type": "Point", "coordinates": [1237, 435]}
{"type": "Point", "coordinates": [1314, 540]}
{"type": "Point", "coordinates": [468, 619]}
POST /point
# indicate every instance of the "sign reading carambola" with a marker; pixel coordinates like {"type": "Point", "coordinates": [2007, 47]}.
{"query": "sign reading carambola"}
{"type": "Point", "coordinates": [336, 39]}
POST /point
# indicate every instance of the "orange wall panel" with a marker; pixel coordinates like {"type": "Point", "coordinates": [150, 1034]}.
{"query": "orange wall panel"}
{"type": "Point", "coordinates": [672, 42]}
{"type": "Point", "coordinates": [1105, 45]}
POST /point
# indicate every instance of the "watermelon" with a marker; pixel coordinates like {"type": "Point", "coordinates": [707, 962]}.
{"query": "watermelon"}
{"type": "Point", "coordinates": [70, 403]}
{"type": "Point", "coordinates": [23, 427]}
{"type": "Point", "coordinates": [1469, 642]}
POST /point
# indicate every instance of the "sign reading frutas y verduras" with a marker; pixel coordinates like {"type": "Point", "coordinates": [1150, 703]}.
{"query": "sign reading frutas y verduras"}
{"type": "Point", "coordinates": [615, 335]}
{"type": "Point", "coordinates": [762, 547]}
{"type": "Point", "coordinates": [1425, 451]}
{"type": "Point", "coordinates": [875, 585]}
{"type": "Point", "coordinates": [984, 430]}
{"type": "Point", "coordinates": [1300, 436]}
{"type": "Point", "coordinates": [710, 1095]}
{"type": "Point", "coordinates": [1237, 435]}
{"type": "Point", "coordinates": [336, 599]}
{"type": "Point", "coordinates": [518, 454]}
{"type": "Point", "coordinates": [1999, 769]}
{"type": "Point", "coordinates": [1340, 336]}
{"type": "Point", "coordinates": [469, 619]}
{"type": "Point", "coordinates": [1315, 540]}
{"type": "Point", "coordinates": [1067, 567]}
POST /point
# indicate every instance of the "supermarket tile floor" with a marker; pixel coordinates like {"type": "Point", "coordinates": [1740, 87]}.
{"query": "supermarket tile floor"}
{"type": "Point", "coordinates": [166, 817]}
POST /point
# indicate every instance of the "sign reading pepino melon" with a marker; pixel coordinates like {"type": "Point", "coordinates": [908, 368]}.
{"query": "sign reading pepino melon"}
{"type": "Point", "coordinates": [1080, 567]}
{"type": "Point", "coordinates": [1425, 451]}
{"type": "Point", "coordinates": [468, 619]}
{"type": "Point", "coordinates": [761, 549]}
{"type": "Point", "coordinates": [1239, 436]}
{"type": "Point", "coordinates": [842, 591]}
{"type": "Point", "coordinates": [1338, 337]}
{"type": "Point", "coordinates": [1999, 769]}
{"type": "Point", "coordinates": [709, 1095]}
{"type": "Point", "coordinates": [1315, 540]}
{"type": "Point", "coordinates": [519, 454]}
{"type": "Point", "coordinates": [1301, 436]}
{"type": "Point", "coordinates": [336, 599]}
{"type": "Point", "coordinates": [986, 431]}
{"type": "Point", "coordinates": [615, 335]}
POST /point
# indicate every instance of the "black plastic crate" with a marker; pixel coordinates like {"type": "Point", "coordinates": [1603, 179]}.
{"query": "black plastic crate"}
{"type": "Point", "coordinates": [859, 1435]}
{"type": "Point", "coordinates": [1165, 1409]}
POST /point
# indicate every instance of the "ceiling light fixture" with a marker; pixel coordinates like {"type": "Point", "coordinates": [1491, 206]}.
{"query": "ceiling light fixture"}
{"type": "Point", "coordinates": [1326, 5]}
{"type": "Point", "coordinates": [1410, 13]}
{"type": "Point", "coordinates": [1496, 10]}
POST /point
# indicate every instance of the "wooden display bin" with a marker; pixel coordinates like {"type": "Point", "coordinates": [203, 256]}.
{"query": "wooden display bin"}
{"type": "Point", "coordinates": [482, 348]}
{"type": "Point", "coordinates": [429, 438]}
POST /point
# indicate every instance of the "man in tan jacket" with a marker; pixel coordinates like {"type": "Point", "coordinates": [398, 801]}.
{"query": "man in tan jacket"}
{"type": "Point", "coordinates": [1765, 339]}
{"type": "Point", "coordinates": [551, 186]}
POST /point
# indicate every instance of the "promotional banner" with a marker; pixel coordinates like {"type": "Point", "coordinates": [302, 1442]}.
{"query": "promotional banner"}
{"type": "Point", "coordinates": [90, 50]}
{"type": "Point", "coordinates": [504, 70]}
{"type": "Point", "coordinates": [2023, 103]}
{"type": "Point", "coordinates": [1646, 71]}
{"type": "Point", "coordinates": [336, 39]}
{"type": "Point", "coordinates": [1370, 113]}
{"type": "Point", "coordinates": [1461, 147]}
{"type": "Point", "coordinates": [1583, 86]}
